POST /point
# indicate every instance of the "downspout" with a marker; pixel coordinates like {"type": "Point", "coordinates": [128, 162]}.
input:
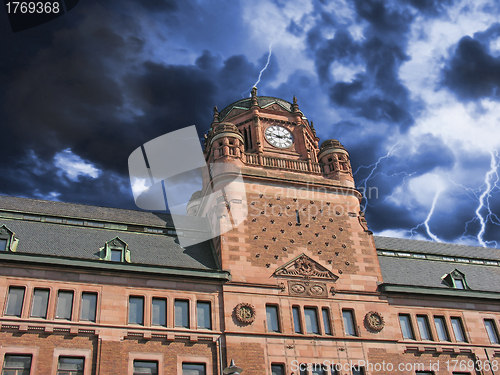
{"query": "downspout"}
{"type": "Point", "coordinates": [219, 344]}
{"type": "Point", "coordinates": [98, 360]}
{"type": "Point", "coordinates": [488, 357]}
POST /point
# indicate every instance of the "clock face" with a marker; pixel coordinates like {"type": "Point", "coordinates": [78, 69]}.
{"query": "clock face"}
{"type": "Point", "coordinates": [278, 136]}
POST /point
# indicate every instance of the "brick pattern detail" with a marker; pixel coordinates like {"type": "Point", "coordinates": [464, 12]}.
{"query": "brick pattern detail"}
{"type": "Point", "coordinates": [249, 354]}
{"type": "Point", "coordinates": [46, 344]}
{"type": "Point", "coordinates": [321, 231]}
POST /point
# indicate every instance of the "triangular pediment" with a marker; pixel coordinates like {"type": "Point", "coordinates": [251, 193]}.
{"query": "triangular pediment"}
{"type": "Point", "coordinates": [117, 242]}
{"type": "Point", "coordinates": [305, 267]}
{"type": "Point", "coordinates": [275, 107]}
{"type": "Point", "coordinates": [235, 111]}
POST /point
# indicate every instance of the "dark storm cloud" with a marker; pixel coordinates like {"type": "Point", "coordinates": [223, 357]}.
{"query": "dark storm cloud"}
{"type": "Point", "coordinates": [431, 153]}
{"type": "Point", "coordinates": [89, 88]}
{"type": "Point", "coordinates": [392, 173]}
{"type": "Point", "coordinates": [235, 75]}
{"type": "Point", "coordinates": [472, 72]}
{"type": "Point", "coordinates": [429, 7]}
{"type": "Point", "coordinates": [341, 48]}
{"type": "Point", "coordinates": [375, 93]}
{"type": "Point", "coordinates": [159, 5]}
{"type": "Point", "coordinates": [167, 94]}
{"type": "Point", "coordinates": [384, 21]}
{"type": "Point", "coordinates": [294, 28]}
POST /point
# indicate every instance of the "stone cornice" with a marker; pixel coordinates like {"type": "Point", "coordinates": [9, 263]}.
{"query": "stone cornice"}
{"type": "Point", "coordinates": [111, 267]}
{"type": "Point", "coordinates": [442, 292]}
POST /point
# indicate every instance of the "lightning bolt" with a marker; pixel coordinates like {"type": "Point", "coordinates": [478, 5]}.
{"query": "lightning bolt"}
{"type": "Point", "coordinates": [484, 199]}
{"type": "Point", "coordinates": [262, 71]}
{"type": "Point", "coordinates": [373, 167]}
{"type": "Point", "coordinates": [490, 183]}
{"type": "Point", "coordinates": [429, 215]}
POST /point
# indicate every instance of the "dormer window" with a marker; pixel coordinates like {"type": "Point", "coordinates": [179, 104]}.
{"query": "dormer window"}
{"type": "Point", "coordinates": [7, 240]}
{"type": "Point", "coordinates": [115, 250]}
{"type": "Point", "coordinates": [116, 255]}
{"type": "Point", "coordinates": [459, 284]}
{"type": "Point", "coordinates": [455, 279]}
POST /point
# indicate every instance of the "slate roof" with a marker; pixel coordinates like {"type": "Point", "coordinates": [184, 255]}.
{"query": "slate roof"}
{"type": "Point", "coordinates": [261, 100]}
{"type": "Point", "coordinates": [82, 211]}
{"type": "Point", "coordinates": [54, 239]}
{"type": "Point", "coordinates": [438, 248]}
{"type": "Point", "coordinates": [84, 243]}
{"type": "Point", "coordinates": [428, 272]}
{"type": "Point", "coordinates": [73, 241]}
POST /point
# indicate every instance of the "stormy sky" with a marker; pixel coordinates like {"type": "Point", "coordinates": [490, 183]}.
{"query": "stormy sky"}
{"type": "Point", "coordinates": [410, 87]}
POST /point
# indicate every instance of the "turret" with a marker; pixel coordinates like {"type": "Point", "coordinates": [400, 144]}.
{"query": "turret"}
{"type": "Point", "coordinates": [225, 143]}
{"type": "Point", "coordinates": [335, 160]}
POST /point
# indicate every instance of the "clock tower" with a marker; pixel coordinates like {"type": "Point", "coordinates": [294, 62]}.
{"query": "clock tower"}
{"type": "Point", "coordinates": [300, 197]}
{"type": "Point", "coordinates": [304, 240]}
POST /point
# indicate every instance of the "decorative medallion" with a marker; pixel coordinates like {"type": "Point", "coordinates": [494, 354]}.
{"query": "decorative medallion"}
{"type": "Point", "coordinates": [305, 267]}
{"type": "Point", "coordinates": [374, 321]}
{"type": "Point", "coordinates": [307, 289]}
{"type": "Point", "coordinates": [298, 288]}
{"type": "Point", "coordinates": [317, 290]}
{"type": "Point", "coordinates": [244, 313]}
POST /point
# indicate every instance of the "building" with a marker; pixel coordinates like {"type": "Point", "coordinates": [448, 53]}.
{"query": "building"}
{"type": "Point", "coordinates": [301, 282]}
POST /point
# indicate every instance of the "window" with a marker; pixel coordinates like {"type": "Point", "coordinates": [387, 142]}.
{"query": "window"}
{"type": "Point", "coordinates": [277, 369]}
{"type": "Point", "coordinates": [458, 329]}
{"type": "Point", "coordinates": [296, 319]}
{"type": "Point", "coordinates": [297, 216]}
{"type": "Point", "coordinates": [491, 330]}
{"type": "Point", "coordinates": [204, 315]}
{"type": "Point", "coordinates": [455, 279]}
{"type": "Point", "coordinates": [272, 318]}
{"type": "Point", "coordinates": [326, 321]}
{"type": "Point", "coordinates": [136, 310]}
{"type": "Point", "coordinates": [182, 313]}
{"type": "Point", "coordinates": [145, 367]}
{"type": "Point", "coordinates": [159, 317]}
{"type": "Point", "coordinates": [15, 301]}
{"type": "Point", "coordinates": [302, 369]}
{"type": "Point", "coordinates": [14, 364]}
{"type": "Point", "coordinates": [115, 250]}
{"type": "Point", "coordinates": [336, 368]}
{"type": "Point", "coordinates": [459, 284]}
{"type": "Point", "coordinates": [406, 328]}
{"type": "Point", "coordinates": [88, 307]}
{"type": "Point", "coordinates": [7, 240]}
{"type": "Point", "coordinates": [318, 369]}
{"type": "Point", "coordinates": [358, 370]}
{"type": "Point", "coordinates": [423, 327]}
{"type": "Point", "coordinates": [70, 366]}
{"type": "Point", "coordinates": [311, 319]}
{"type": "Point", "coordinates": [193, 369]}
{"type": "Point", "coordinates": [424, 373]}
{"type": "Point", "coordinates": [40, 303]}
{"type": "Point", "coordinates": [441, 328]}
{"type": "Point", "coordinates": [64, 305]}
{"type": "Point", "coordinates": [349, 323]}
{"type": "Point", "coordinates": [116, 255]}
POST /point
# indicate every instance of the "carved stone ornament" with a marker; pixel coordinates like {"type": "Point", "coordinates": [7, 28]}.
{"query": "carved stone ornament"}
{"type": "Point", "coordinates": [244, 313]}
{"type": "Point", "coordinates": [307, 289]}
{"type": "Point", "coordinates": [305, 267]}
{"type": "Point", "coordinates": [374, 321]}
